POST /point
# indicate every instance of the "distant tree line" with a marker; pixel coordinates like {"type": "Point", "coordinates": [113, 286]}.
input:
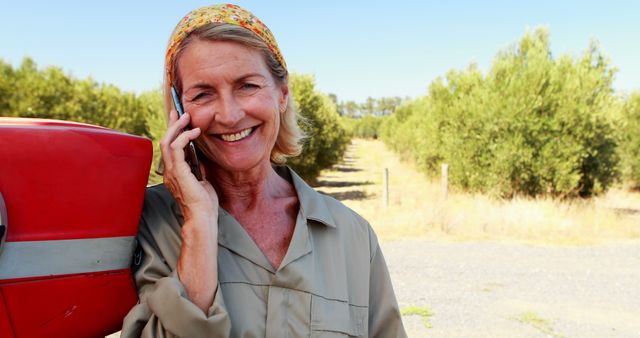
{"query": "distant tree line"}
{"type": "Point", "coordinates": [363, 119]}
{"type": "Point", "coordinates": [371, 107]}
{"type": "Point", "coordinates": [367, 126]}
{"type": "Point", "coordinates": [26, 91]}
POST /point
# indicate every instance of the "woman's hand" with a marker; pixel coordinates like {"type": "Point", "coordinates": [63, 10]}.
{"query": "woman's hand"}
{"type": "Point", "coordinates": [196, 198]}
{"type": "Point", "coordinates": [198, 261]}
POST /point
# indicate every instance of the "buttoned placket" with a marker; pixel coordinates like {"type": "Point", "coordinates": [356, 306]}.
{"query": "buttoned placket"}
{"type": "Point", "coordinates": [279, 294]}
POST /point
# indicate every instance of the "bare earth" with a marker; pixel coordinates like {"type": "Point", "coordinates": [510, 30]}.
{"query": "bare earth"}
{"type": "Point", "coordinates": [491, 287]}
{"type": "Point", "coordinates": [483, 289]}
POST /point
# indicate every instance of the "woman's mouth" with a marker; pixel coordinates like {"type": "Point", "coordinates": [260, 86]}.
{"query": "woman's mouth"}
{"type": "Point", "coordinates": [235, 137]}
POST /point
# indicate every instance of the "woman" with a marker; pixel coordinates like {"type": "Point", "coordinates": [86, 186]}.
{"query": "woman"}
{"type": "Point", "coordinates": [251, 250]}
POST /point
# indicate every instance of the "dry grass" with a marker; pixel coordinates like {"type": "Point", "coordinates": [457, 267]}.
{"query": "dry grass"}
{"type": "Point", "coordinates": [532, 318]}
{"type": "Point", "coordinates": [424, 312]}
{"type": "Point", "coordinates": [417, 207]}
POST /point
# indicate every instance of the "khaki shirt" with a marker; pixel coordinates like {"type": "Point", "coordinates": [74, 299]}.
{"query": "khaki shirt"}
{"type": "Point", "coordinates": [333, 281]}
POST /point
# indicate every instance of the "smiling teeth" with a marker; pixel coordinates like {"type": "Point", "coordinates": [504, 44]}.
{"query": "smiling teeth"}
{"type": "Point", "coordinates": [237, 136]}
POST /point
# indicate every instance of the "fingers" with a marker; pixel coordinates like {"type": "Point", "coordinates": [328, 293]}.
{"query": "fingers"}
{"type": "Point", "coordinates": [174, 152]}
{"type": "Point", "coordinates": [175, 140]}
{"type": "Point", "coordinates": [193, 197]}
{"type": "Point", "coordinates": [174, 129]}
{"type": "Point", "coordinates": [183, 139]}
{"type": "Point", "coordinates": [176, 126]}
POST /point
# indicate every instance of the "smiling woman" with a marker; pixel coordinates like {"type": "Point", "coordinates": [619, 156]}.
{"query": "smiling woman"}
{"type": "Point", "coordinates": [233, 98]}
{"type": "Point", "coordinates": [251, 250]}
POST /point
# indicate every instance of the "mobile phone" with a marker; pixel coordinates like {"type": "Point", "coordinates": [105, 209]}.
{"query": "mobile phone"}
{"type": "Point", "coordinates": [192, 157]}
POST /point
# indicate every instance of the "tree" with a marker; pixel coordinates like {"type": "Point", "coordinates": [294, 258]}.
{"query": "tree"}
{"type": "Point", "coordinates": [630, 148]}
{"type": "Point", "coordinates": [327, 138]}
{"type": "Point", "coordinates": [152, 103]}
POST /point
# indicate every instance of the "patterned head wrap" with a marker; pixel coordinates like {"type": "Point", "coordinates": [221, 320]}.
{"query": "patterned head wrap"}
{"type": "Point", "coordinates": [225, 13]}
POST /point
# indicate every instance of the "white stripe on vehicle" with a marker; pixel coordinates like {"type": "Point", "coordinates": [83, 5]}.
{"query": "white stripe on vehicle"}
{"type": "Point", "coordinates": [61, 257]}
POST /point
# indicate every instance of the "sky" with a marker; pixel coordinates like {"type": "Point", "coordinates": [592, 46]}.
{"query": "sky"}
{"type": "Point", "coordinates": [355, 49]}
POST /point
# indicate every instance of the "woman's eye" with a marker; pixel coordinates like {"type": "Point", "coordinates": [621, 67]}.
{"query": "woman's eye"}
{"type": "Point", "coordinates": [198, 96]}
{"type": "Point", "coordinates": [249, 86]}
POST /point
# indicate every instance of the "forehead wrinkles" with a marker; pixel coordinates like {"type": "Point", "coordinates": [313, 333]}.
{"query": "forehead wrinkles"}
{"type": "Point", "coordinates": [214, 59]}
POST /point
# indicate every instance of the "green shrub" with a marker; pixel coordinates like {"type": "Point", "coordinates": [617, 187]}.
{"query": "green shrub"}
{"type": "Point", "coordinates": [630, 147]}
{"type": "Point", "coordinates": [327, 138]}
{"type": "Point", "coordinates": [533, 125]}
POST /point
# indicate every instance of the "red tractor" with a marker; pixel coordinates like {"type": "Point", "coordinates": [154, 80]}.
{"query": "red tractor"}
{"type": "Point", "coordinates": [70, 198]}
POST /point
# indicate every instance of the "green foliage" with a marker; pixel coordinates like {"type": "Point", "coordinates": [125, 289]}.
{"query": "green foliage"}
{"type": "Point", "coordinates": [533, 125]}
{"type": "Point", "coordinates": [364, 127]}
{"type": "Point", "coordinates": [327, 139]}
{"type": "Point", "coordinates": [630, 147]}
{"type": "Point", "coordinates": [152, 103]}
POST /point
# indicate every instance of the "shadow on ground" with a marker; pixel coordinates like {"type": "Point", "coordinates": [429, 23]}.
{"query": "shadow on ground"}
{"type": "Point", "coordinates": [627, 211]}
{"type": "Point", "coordinates": [347, 195]}
{"type": "Point", "coordinates": [345, 169]}
{"type": "Point", "coordinates": [340, 184]}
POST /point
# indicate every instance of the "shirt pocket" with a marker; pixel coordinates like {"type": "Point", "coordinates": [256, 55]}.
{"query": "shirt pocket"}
{"type": "Point", "coordinates": [335, 318]}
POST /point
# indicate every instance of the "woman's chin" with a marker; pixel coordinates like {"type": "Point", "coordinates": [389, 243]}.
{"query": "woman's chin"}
{"type": "Point", "coordinates": [240, 157]}
{"type": "Point", "coordinates": [240, 163]}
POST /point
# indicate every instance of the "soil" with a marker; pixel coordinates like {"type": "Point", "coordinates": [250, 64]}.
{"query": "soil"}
{"type": "Point", "coordinates": [488, 289]}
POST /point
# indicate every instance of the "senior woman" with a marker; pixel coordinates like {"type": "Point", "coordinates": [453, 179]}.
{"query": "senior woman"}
{"type": "Point", "coordinates": [251, 250]}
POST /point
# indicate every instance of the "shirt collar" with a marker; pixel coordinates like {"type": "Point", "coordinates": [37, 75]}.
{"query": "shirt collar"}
{"type": "Point", "coordinates": [312, 207]}
{"type": "Point", "coordinates": [312, 203]}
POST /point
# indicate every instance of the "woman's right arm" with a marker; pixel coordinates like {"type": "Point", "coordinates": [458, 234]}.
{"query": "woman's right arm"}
{"type": "Point", "coordinates": [183, 301]}
{"type": "Point", "coordinates": [165, 308]}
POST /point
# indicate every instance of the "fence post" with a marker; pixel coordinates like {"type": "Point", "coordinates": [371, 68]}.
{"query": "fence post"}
{"type": "Point", "coordinates": [445, 180]}
{"type": "Point", "coordinates": [386, 187]}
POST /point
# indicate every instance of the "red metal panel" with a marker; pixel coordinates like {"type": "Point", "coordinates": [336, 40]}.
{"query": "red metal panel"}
{"type": "Point", "coordinates": [6, 331]}
{"type": "Point", "coordinates": [65, 180]}
{"type": "Point", "coordinates": [88, 305]}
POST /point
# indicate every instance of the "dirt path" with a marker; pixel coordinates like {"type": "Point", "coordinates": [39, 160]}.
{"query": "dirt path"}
{"type": "Point", "coordinates": [493, 288]}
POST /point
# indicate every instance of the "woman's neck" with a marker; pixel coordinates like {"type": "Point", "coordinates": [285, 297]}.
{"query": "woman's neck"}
{"type": "Point", "coordinates": [243, 191]}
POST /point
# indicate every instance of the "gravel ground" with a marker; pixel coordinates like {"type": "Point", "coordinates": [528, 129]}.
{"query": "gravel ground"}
{"type": "Point", "coordinates": [487, 289]}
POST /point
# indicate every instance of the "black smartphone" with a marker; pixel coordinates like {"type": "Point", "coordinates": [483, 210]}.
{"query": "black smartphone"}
{"type": "Point", "coordinates": [192, 157]}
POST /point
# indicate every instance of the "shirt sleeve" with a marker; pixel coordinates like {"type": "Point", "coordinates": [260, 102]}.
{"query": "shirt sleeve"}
{"type": "Point", "coordinates": [164, 309]}
{"type": "Point", "coordinates": [384, 314]}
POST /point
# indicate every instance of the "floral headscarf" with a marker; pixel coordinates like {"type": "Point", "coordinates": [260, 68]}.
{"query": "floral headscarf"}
{"type": "Point", "coordinates": [225, 13]}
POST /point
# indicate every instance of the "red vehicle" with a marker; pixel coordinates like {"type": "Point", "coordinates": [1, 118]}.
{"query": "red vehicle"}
{"type": "Point", "coordinates": [70, 198]}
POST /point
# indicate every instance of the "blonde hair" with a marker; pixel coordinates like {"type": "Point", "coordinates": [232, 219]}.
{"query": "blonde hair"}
{"type": "Point", "coordinates": [290, 136]}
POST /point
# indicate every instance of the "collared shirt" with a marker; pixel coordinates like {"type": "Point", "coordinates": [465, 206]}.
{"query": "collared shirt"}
{"type": "Point", "coordinates": [333, 281]}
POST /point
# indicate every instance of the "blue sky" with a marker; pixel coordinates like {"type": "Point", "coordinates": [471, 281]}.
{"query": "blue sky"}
{"type": "Point", "coordinates": [355, 49]}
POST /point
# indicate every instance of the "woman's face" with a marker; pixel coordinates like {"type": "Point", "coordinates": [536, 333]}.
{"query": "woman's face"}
{"type": "Point", "coordinates": [233, 98]}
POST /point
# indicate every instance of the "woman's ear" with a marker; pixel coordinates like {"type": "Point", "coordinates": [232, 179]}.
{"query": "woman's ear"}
{"type": "Point", "coordinates": [284, 98]}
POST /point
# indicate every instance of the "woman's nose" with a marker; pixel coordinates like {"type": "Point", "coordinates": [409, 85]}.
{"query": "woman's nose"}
{"type": "Point", "coordinates": [229, 111]}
